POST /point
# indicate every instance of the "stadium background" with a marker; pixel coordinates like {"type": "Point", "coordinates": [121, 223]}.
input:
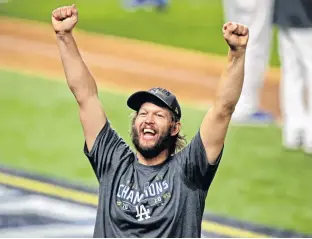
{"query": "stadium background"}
{"type": "Point", "coordinates": [181, 49]}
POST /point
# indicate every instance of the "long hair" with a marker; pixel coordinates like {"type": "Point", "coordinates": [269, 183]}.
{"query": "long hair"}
{"type": "Point", "coordinates": [176, 142]}
{"type": "Point", "coordinates": [179, 140]}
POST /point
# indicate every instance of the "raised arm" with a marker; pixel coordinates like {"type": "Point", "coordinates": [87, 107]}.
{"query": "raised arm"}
{"type": "Point", "coordinates": [79, 78]}
{"type": "Point", "coordinates": [215, 124]}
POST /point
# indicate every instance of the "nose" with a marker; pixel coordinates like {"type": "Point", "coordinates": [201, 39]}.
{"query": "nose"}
{"type": "Point", "coordinates": [149, 119]}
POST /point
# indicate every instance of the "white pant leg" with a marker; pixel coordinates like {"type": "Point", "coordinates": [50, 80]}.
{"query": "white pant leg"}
{"type": "Point", "coordinates": [303, 40]}
{"type": "Point", "coordinates": [257, 15]}
{"type": "Point", "coordinates": [291, 87]}
{"type": "Point", "coordinates": [228, 10]}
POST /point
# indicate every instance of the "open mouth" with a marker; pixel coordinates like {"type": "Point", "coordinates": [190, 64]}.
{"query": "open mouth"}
{"type": "Point", "coordinates": [149, 134]}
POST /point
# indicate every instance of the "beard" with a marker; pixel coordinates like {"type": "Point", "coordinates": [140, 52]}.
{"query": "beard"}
{"type": "Point", "coordinates": [150, 152]}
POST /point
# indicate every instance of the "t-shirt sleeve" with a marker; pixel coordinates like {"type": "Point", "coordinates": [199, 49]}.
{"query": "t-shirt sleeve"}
{"type": "Point", "coordinates": [108, 149]}
{"type": "Point", "coordinates": [195, 166]}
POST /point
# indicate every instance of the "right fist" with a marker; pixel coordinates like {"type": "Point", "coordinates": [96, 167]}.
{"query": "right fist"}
{"type": "Point", "coordinates": [64, 19]}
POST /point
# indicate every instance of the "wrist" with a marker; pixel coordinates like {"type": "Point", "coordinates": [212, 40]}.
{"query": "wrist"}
{"type": "Point", "coordinates": [63, 35]}
{"type": "Point", "coordinates": [236, 52]}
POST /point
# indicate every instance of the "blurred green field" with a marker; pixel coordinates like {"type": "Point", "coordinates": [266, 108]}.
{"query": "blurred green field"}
{"type": "Point", "coordinates": [193, 24]}
{"type": "Point", "coordinates": [257, 181]}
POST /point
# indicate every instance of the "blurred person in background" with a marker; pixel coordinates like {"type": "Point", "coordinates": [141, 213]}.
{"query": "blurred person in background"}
{"type": "Point", "coordinates": [257, 15]}
{"type": "Point", "coordinates": [293, 19]}
{"type": "Point", "coordinates": [161, 4]}
{"type": "Point", "coordinates": [133, 4]}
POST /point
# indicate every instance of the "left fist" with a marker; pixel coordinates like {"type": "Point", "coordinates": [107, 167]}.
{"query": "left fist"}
{"type": "Point", "coordinates": [236, 35]}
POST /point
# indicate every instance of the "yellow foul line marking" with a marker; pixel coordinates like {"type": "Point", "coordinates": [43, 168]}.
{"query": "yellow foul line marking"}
{"type": "Point", "coordinates": [92, 199]}
{"type": "Point", "coordinates": [47, 188]}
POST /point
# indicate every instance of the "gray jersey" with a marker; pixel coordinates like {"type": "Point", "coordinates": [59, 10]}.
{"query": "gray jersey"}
{"type": "Point", "coordinates": [135, 200]}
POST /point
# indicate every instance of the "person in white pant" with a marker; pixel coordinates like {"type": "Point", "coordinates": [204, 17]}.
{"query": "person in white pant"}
{"type": "Point", "coordinates": [294, 21]}
{"type": "Point", "coordinates": [257, 15]}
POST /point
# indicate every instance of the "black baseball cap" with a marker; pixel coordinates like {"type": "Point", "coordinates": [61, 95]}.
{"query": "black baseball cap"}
{"type": "Point", "coordinates": [158, 96]}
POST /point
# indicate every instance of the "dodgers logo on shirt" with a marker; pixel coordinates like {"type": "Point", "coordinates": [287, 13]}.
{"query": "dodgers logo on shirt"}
{"type": "Point", "coordinates": [133, 200]}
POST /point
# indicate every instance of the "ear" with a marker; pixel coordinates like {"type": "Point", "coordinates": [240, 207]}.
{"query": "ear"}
{"type": "Point", "coordinates": [176, 128]}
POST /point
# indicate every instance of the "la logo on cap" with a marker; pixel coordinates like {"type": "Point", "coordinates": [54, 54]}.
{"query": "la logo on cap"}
{"type": "Point", "coordinates": [161, 91]}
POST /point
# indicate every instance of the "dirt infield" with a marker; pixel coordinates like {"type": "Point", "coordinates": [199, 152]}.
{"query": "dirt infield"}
{"type": "Point", "coordinates": [122, 64]}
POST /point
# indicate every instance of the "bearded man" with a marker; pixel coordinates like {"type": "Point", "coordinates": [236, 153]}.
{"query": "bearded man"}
{"type": "Point", "coordinates": [159, 190]}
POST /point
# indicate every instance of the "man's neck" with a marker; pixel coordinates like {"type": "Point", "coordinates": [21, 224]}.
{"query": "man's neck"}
{"type": "Point", "coordinates": [154, 161]}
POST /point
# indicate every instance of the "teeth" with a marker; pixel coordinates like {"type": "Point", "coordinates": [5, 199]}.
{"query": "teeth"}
{"type": "Point", "coordinates": [149, 131]}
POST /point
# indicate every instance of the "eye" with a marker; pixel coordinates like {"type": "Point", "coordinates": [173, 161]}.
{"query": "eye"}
{"type": "Point", "coordinates": [159, 115]}
{"type": "Point", "coordinates": [142, 113]}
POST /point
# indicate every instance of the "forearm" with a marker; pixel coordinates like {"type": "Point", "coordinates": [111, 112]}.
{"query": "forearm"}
{"type": "Point", "coordinates": [79, 78]}
{"type": "Point", "coordinates": [232, 81]}
{"type": "Point", "coordinates": [215, 124]}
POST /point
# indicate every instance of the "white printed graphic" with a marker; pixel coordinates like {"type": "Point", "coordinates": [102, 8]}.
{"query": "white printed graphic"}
{"type": "Point", "coordinates": [134, 197]}
{"type": "Point", "coordinates": [142, 213]}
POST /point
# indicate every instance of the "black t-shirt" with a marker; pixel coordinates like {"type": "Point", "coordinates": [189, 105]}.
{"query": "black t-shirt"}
{"type": "Point", "coordinates": [166, 200]}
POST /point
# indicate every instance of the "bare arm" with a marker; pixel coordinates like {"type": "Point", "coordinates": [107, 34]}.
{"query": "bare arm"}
{"type": "Point", "coordinates": [79, 78]}
{"type": "Point", "coordinates": [215, 124]}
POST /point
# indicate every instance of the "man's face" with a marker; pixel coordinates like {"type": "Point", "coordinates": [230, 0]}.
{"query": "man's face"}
{"type": "Point", "coordinates": [152, 130]}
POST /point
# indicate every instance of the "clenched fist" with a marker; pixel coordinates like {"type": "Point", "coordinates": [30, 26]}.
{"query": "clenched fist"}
{"type": "Point", "coordinates": [64, 19]}
{"type": "Point", "coordinates": [236, 35]}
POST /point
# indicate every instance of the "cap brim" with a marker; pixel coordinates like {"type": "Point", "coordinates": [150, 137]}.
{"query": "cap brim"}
{"type": "Point", "coordinates": [136, 100]}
